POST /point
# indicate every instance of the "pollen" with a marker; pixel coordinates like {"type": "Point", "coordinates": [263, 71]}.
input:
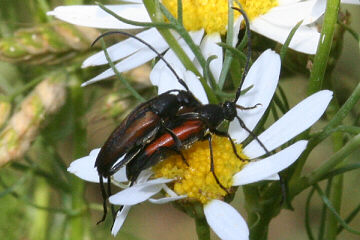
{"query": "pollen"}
{"type": "Point", "coordinates": [195, 179]}
{"type": "Point", "coordinates": [212, 15]}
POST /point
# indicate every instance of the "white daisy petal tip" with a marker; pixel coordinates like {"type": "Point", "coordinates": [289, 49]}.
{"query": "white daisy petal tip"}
{"type": "Point", "coordinates": [225, 221]}
{"type": "Point", "coordinates": [294, 122]}
{"type": "Point", "coordinates": [84, 167]}
{"type": "Point", "coordinates": [265, 169]}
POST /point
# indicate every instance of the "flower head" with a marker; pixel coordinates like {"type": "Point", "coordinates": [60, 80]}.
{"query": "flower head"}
{"type": "Point", "coordinates": [196, 183]}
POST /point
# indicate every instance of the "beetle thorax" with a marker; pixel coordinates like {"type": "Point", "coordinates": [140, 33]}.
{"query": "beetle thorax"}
{"type": "Point", "coordinates": [229, 109]}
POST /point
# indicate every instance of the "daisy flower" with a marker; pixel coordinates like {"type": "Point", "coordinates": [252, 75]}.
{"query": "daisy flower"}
{"type": "Point", "coordinates": [205, 21]}
{"type": "Point", "coordinates": [195, 182]}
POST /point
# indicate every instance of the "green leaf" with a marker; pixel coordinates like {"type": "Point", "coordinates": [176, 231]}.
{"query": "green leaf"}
{"type": "Point", "coordinates": [329, 205]}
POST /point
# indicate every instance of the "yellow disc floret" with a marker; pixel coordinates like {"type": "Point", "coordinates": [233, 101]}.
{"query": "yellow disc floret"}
{"type": "Point", "coordinates": [196, 181]}
{"type": "Point", "coordinates": [212, 15]}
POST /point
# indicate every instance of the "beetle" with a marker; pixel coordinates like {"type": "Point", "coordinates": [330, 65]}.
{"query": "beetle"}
{"type": "Point", "coordinates": [190, 127]}
{"type": "Point", "coordinates": [140, 126]}
{"type": "Point", "coordinates": [166, 123]}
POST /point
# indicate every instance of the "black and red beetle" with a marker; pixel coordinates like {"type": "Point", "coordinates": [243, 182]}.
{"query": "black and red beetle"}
{"type": "Point", "coordinates": [190, 127]}
{"type": "Point", "coordinates": [161, 125]}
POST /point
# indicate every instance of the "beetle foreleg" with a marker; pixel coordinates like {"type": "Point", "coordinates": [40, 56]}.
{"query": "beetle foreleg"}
{"type": "Point", "coordinates": [212, 168]}
{"type": "Point", "coordinates": [225, 134]}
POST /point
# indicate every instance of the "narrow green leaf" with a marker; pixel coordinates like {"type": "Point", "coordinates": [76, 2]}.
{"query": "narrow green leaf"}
{"type": "Point", "coordinates": [285, 47]}
{"type": "Point", "coordinates": [334, 212]}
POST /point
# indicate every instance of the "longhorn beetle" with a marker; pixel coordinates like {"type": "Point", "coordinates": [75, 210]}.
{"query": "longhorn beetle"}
{"type": "Point", "coordinates": [140, 126]}
{"type": "Point", "coordinates": [167, 128]}
{"type": "Point", "coordinates": [193, 126]}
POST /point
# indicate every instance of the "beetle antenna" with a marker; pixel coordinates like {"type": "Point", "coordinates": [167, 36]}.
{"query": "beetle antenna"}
{"type": "Point", "coordinates": [150, 47]}
{"type": "Point", "coordinates": [248, 55]}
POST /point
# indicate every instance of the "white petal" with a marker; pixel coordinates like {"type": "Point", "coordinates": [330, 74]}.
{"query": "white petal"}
{"type": "Point", "coordinates": [168, 81]}
{"type": "Point", "coordinates": [94, 16]}
{"type": "Point", "coordinates": [225, 221]}
{"type": "Point", "coordinates": [289, 15]}
{"type": "Point", "coordinates": [267, 167]}
{"type": "Point", "coordinates": [84, 167]}
{"type": "Point", "coordinates": [119, 220]}
{"type": "Point", "coordinates": [195, 87]}
{"type": "Point", "coordinates": [237, 25]}
{"type": "Point", "coordinates": [166, 199]}
{"type": "Point", "coordinates": [120, 175]}
{"type": "Point", "coordinates": [263, 77]}
{"type": "Point", "coordinates": [297, 120]}
{"type": "Point", "coordinates": [138, 193]}
{"type": "Point", "coordinates": [304, 40]}
{"type": "Point", "coordinates": [126, 64]}
{"type": "Point", "coordinates": [156, 77]}
{"type": "Point", "coordinates": [208, 48]}
{"type": "Point", "coordinates": [274, 177]}
{"type": "Point", "coordinates": [127, 47]}
{"type": "Point", "coordinates": [351, 1]}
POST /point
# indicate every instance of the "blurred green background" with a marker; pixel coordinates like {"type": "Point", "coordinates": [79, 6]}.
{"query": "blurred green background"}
{"type": "Point", "coordinates": [102, 110]}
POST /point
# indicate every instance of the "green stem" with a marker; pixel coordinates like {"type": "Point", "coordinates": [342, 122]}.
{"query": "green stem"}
{"type": "Point", "coordinates": [202, 229]}
{"type": "Point", "coordinates": [324, 210]}
{"type": "Point", "coordinates": [335, 198]}
{"type": "Point", "coordinates": [260, 210]}
{"type": "Point", "coordinates": [39, 228]}
{"type": "Point", "coordinates": [229, 41]}
{"type": "Point", "coordinates": [337, 182]}
{"type": "Point", "coordinates": [323, 51]}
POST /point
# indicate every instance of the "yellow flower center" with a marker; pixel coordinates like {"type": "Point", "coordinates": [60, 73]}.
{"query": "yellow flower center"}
{"type": "Point", "coordinates": [212, 15]}
{"type": "Point", "coordinates": [196, 180]}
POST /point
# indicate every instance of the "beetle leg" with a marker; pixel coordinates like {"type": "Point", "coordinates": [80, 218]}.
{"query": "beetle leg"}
{"type": "Point", "coordinates": [225, 134]}
{"type": "Point", "coordinates": [242, 124]}
{"type": "Point", "coordinates": [212, 168]}
{"type": "Point", "coordinates": [104, 196]}
{"type": "Point", "coordinates": [109, 194]}
{"type": "Point", "coordinates": [177, 141]}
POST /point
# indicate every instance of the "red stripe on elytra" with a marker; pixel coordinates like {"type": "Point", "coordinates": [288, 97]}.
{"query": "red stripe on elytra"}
{"type": "Point", "coordinates": [182, 132]}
